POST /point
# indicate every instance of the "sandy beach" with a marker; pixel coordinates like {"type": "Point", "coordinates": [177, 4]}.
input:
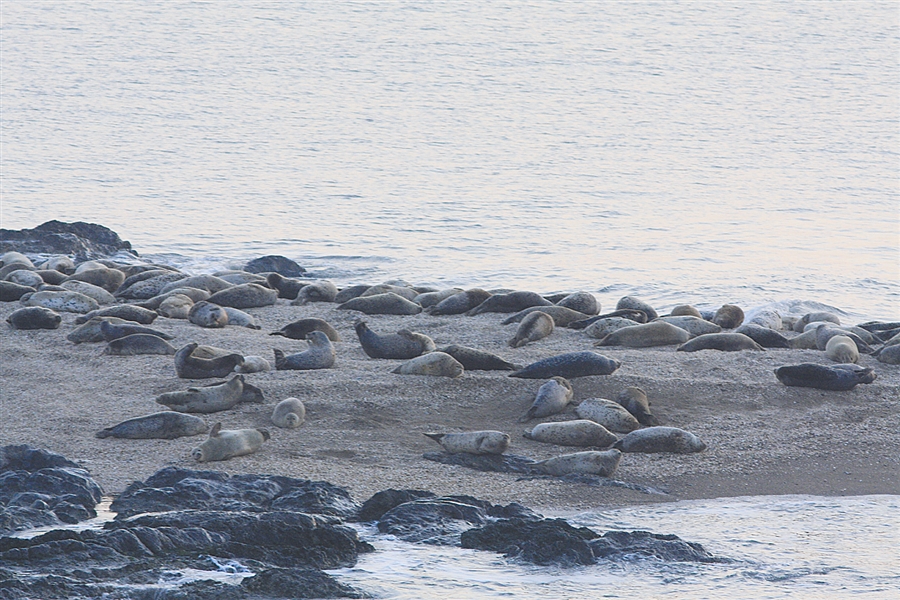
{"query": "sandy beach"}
{"type": "Point", "coordinates": [364, 424]}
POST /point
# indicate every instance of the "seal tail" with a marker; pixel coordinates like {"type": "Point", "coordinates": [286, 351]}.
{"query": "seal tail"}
{"type": "Point", "coordinates": [527, 435]}
{"type": "Point", "coordinates": [279, 359]}
{"type": "Point", "coordinates": [281, 333]}
{"type": "Point", "coordinates": [437, 437]}
{"type": "Point", "coordinates": [527, 416]}
{"type": "Point", "coordinates": [104, 433]}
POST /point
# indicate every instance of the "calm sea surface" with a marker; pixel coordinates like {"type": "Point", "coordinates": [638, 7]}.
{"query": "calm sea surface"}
{"type": "Point", "coordinates": [680, 152]}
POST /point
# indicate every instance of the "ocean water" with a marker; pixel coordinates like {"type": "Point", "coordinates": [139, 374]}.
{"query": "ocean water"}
{"type": "Point", "coordinates": [680, 152]}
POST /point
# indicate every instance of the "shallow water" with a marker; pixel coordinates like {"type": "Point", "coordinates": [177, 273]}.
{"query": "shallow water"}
{"type": "Point", "coordinates": [681, 152]}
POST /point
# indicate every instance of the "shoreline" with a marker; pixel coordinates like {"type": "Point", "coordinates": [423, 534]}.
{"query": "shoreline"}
{"type": "Point", "coordinates": [364, 424]}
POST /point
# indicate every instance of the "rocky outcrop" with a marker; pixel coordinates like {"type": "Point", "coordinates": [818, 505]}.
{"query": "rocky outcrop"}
{"type": "Point", "coordinates": [274, 263]}
{"type": "Point", "coordinates": [82, 241]}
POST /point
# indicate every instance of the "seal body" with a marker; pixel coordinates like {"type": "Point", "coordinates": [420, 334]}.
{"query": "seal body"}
{"type": "Point", "coordinates": [685, 310]}
{"type": "Point", "coordinates": [661, 439]}
{"type": "Point", "coordinates": [289, 413]}
{"type": "Point", "coordinates": [11, 292]}
{"type": "Point", "coordinates": [99, 294]}
{"type": "Point", "coordinates": [253, 364]}
{"type": "Point", "coordinates": [460, 303]}
{"type": "Point", "coordinates": [194, 294]}
{"type": "Point", "coordinates": [349, 293]}
{"type": "Point", "coordinates": [603, 327]}
{"type": "Point", "coordinates": [657, 333]}
{"type": "Point", "coordinates": [632, 303]}
{"type": "Point", "coordinates": [889, 354]}
{"type": "Point", "coordinates": [611, 415]}
{"type": "Point", "coordinates": [113, 331]}
{"type": "Point", "coordinates": [436, 364]}
{"type": "Point", "coordinates": [561, 315]}
{"type": "Point", "coordinates": [552, 397]}
{"type": "Point", "coordinates": [402, 289]}
{"type": "Point", "coordinates": [429, 299]}
{"type": "Point", "coordinates": [634, 400]}
{"type": "Point", "coordinates": [139, 343]}
{"type": "Point", "coordinates": [298, 330]}
{"type": "Point", "coordinates": [129, 312]}
{"type": "Point", "coordinates": [535, 326]}
{"type": "Point", "coordinates": [581, 432]}
{"type": "Point", "coordinates": [34, 317]}
{"type": "Point", "coordinates": [191, 367]}
{"type": "Point", "coordinates": [812, 317]}
{"type": "Point", "coordinates": [825, 332]}
{"type": "Point", "coordinates": [764, 336]}
{"type": "Point", "coordinates": [223, 444]}
{"type": "Point", "coordinates": [287, 287]}
{"type": "Point", "coordinates": [316, 291]}
{"type": "Point", "coordinates": [729, 316]}
{"type": "Point", "coordinates": [239, 318]}
{"type": "Point", "coordinates": [509, 303]}
{"type": "Point", "coordinates": [209, 399]}
{"type": "Point", "coordinates": [165, 425]}
{"type": "Point", "coordinates": [473, 359]}
{"type": "Point", "coordinates": [768, 318]}
{"type": "Point", "coordinates": [319, 355]}
{"type": "Point", "coordinates": [402, 345]}
{"type": "Point", "coordinates": [90, 331]}
{"type": "Point", "coordinates": [726, 342]}
{"type": "Point", "coordinates": [589, 462]}
{"type": "Point", "coordinates": [26, 277]}
{"type": "Point", "coordinates": [246, 295]}
{"type": "Point", "coordinates": [583, 302]}
{"type": "Point", "coordinates": [840, 378]}
{"type": "Point", "coordinates": [382, 304]}
{"type": "Point", "coordinates": [569, 365]}
{"type": "Point", "coordinates": [208, 314]}
{"type": "Point", "coordinates": [693, 325]}
{"type": "Point", "coordinates": [209, 283]}
{"type": "Point", "coordinates": [144, 289]}
{"type": "Point", "coordinates": [842, 349]}
{"type": "Point", "coordinates": [472, 442]}
{"type": "Point", "coordinates": [176, 306]}
{"type": "Point", "coordinates": [61, 301]}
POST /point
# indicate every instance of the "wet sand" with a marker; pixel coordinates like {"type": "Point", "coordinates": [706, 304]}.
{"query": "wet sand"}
{"type": "Point", "coordinates": [364, 424]}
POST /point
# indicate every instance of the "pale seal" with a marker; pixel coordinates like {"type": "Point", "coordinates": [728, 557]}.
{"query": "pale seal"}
{"type": "Point", "coordinates": [165, 425]}
{"type": "Point", "coordinates": [60, 263]}
{"type": "Point", "coordinates": [552, 397]}
{"type": "Point", "coordinates": [472, 442]}
{"type": "Point", "coordinates": [209, 283]}
{"type": "Point", "coordinates": [661, 439]}
{"type": "Point", "coordinates": [208, 314]}
{"type": "Point", "coordinates": [635, 401]}
{"type": "Point", "coordinates": [583, 302]}
{"type": "Point", "coordinates": [209, 399]}
{"type": "Point", "coordinates": [298, 330]}
{"type": "Point", "coordinates": [435, 364]}
{"type": "Point", "coordinates": [429, 299]}
{"type": "Point", "coordinates": [656, 333]}
{"type": "Point", "coordinates": [112, 331]}
{"type": "Point", "coordinates": [840, 378]}
{"type": "Point", "coordinates": [825, 332]}
{"type": "Point", "coordinates": [633, 314]}
{"type": "Point", "coordinates": [581, 432]}
{"type": "Point", "coordinates": [144, 289]}
{"type": "Point", "coordinates": [590, 462]}
{"type": "Point", "coordinates": [402, 345]}
{"type": "Point", "coordinates": [800, 325]}
{"type": "Point", "coordinates": [509, 303]}
{"type": "Point", "coordinates": [382, 304]}
{"type": "Point", "coordinates": [34, 317]}
{"type": "Point", "coordinates": [535, 326]}
{"type": "Point", "coordinates": [804, 341]}
{"type": "Point", "coordinates": [25, 277]}
{"type": "Point", "coordinates": [473, 359]}
{"type": "Point", "coordinates": [239, 318]}
{"type": "Point", "coordinates": [61, 301]}
{"type": "Point", "coordinates": [223, 444]}
{"type": "Point", "coordinates": [316, 291]}
{"type": "Point", "coordinates": [137, 344]}
{"type": "Point", "coordinates": [764, 336]}
{"type": "Point", "coordinates": [460, 303]}
{"type": "Point", "coordinates": [13, 257]}
{"type": "Point", "coordinates": [52, 277]}
{"type": "Point", "coordinates": [726, 342]}
{"type": "Point", "coordinates": [569, 365]}
{"type": "Point", "coordinates": [289, 413]}
{"type": "Point", "coordinates": [105, 278]}
{"type": "Point", "coordinates": [404, 291]}
{"type": "Point", "coordinates": [611, 415]}
{"type": "Point", "coordinates": [729, 316]}
{"type": "Point", "coordinates": [191, 367]}
{"type": "Point", "coordinates": [246, 295]}
{"type": "Point", "coordinates": [102, 297]}
{"type": "Point", "coordinates": [562, 316]}
{"type": "Point", "coordinates": [842, 349]}
{"type": "Point", "coordinates": [319, 355]}
{"type": "Point", "coordinates": [767, 317]}
{"type": "Point", "coordinates": [253, 364]}
{"type": "Point", "coordinates": [238, 277]}
{"type": "Point", "coordinates": [176, 306]}
{"type": "Point", "coordinates": [195, 294]}
{"type": "Point", "coordinates": [349, 293]}
{"type": "Point", "coordinates": [632, 303]}
{"type": "Point", "coordinates": [603, 327]}
{"type": "Point", "coordinates": [693, 325]}
{"type": "Point", "coordinates": [129, 312]}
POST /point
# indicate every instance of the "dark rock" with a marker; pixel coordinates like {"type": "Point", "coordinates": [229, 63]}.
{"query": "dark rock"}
{"type": "Point", "coordinates": [550, 541]}
{"type": "Point", "coordinates": [298, 583]}
{"type": "Point", "coordinates": [82, 241]}
{"type": "Point", "coordinates": [381, 502]}
{"type": "Point", "coordinates": [274, 263]}
{"type": "Point", "coordinates": [499, 463]}
{"type": "Point", "coordinates": [621, 545]}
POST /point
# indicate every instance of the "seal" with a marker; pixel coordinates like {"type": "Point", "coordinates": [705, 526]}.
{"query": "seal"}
{"type": "Point", "coordinates": [838, 378]}
{"type": "Point", "coordinates": [223, 444]}
{"type": "Point", "coordinates": [473, 359]}
{"type": "Point", "coordinates": [889, 355]}
{"type": "Point", "coordinates": [638, 316]}
{"type": "Point", "coordinates": [812, 317]}
{"type": "Point", "coordinates": [238, 277]}
{"type": "Point", "coordinates": [12, 292]}
{"type": "Point", "coordinates": [298, 330]}
{"type": "Point", "coordinates": [253, 364]}
{"type": "Point", "coordinates": [316, 291]}
{"type": "Point", "coordinates": [90, 331]}
{"type": "Point", "coordinates": [246, 295]}
{"type": "Point", "coordinates": [726, 342]}
{"type": "Point", "coordinates": [509, 303]}
{"type": "Point", "coordinates": [436, 364]}
{"type": "Point", "coordinates": [661, 439]}
{"type": "Point", "coordinates": [404, 291]}
{"type": "Point", "coordinates": [61, 301]}
{"type": "Point", "coordinates": [209, 399]}
{"type": "Point", "coordinates": [693, 325]}
{"type": "Point", "coordinates": [825, 332]}
{"type": "Point", "coordinates": [176, 306]}
{"type": "Point", "coordinates": [275, 263]}
{"type": "Point", "coordinates": [767, 317]}
{"type": "Point", "coordinates": [165, 425]}
{"type": "Point", "coordinates": [472, 442]}
{"type": "Point", "coordinates": [764, 336]}
{"type": "Point", "coordinates": [129, 312]}
{"type": "Point", "coordinates": [656, 333]}
{"type": "Point", "coordinates": [191, 367]}
{"type": "Point", "coordinates": [208, 283]}
{"type": "Point", "coordinates": [289, 413]}
{"type": "Point", "coordinates": [195, 295]}
{"type": "Point", "coordinates": [59, 262]}
{"type": "Point", "coordinates": [51, 276]}
{"type": "Point", "coordinates": [552, 397]}
{"type": "Point", "coordinates": [239, 318]}
{"type": "Point", "coordinates": [603, 327]}
{"type": "Point", "coordinates": [729, 316]}
{"type": "Point", "coordinates": [562, 316]}
{"type": "Point", "coordinates": [382, 304]}
{"type": "Point", "coordinates": [137, 344]}
{"type": "Point", "coordinates": [634, 400]}
{"type": "Point", "coordinates": [401, 345]}
{"type": "Point", "coordinates": [535, 326]}
{"type": "Point", "coordinates": [581, 432]}
{"type": "Point", "coordinates": [842, 349]}
{"type": "Point", "coordinates": [804, 341]}
{"type": "Point", "coordinates": [569, 365]}
{"type": "Point", "coordinates": [685, 310]}
{"type": "Point", "coordinates": [287, 287]}
{"type": "Point", "coordinates": [589, 462]}
{"type": "Point", "coordinates": [91, 291]}
{"type": "Point", "coordinates": [460, 303]}
{"type": "Point", "coordinates": [12, 257]}
{"type": "Point", "coordinates": [25, 277]}
{"type": "Point", "coordinates": [110, 331]}
{"type": "Point", "coordinates": [107, 279]}
{"type": "Point", "coordinates": [429, 299]}
{"type": "Point", "coordinates": [34, 317]}
{"type": "Point", "coordinates": [319, 355]}
{"type": "Point", "coordinates": [583, 302]}
{"type": "Point", "coordinates": [632, 303]}
{"type": "Point", "coordinates": [349, 293]}
{"type": "Point", "coordinates": [146, 288]}
{"type": "Point", "coordinates": [611, 415]}
{"type": "Point", "coordinates": [207, 314]}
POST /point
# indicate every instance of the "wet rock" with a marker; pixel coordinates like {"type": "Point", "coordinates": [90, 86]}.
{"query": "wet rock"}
{"type": "Point", "coordinates": [83, 241]}
{"type": "Point", "coordinates": [622, 545]}
{"type": "Point", "coordinates": [298, 583]}
{"type": "Point", "coordinates": [381, 502]}
{"type": "Point", "coordinates": [274, 263]}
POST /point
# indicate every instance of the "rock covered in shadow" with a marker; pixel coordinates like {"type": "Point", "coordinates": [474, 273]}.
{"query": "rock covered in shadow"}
{"type": "Point", "coordinates": [383, 501]}
{"type": "Point", "coordinates": [275, 263]}
{"type": "Point", "coordinates": [81, 240]}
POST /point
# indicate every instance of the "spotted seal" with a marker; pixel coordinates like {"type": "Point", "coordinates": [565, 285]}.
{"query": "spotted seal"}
{"type": "Point", "coordinates": [99, 294]}
{"type": "Point", "coordinates": [298, 330]}
{"type": "Point", "coordinates": [207, 314]}
{"type": "Point", "coordinates": [889, 355]}
{"type": "Point", "coordinates": [603, 327]}
{"type": "Point", "coordinates": [246, 295]}
{"type": "Point", "coordinates": [176, 306]}
{"type": "Point", "coordinates": [611, 415]}
{"type": "Point", "coordinates": [535, 326]}
{"type": "Point", "coordinates": [634, 400]}
{"type": "Point", "coordinates": [633, 314]}
{"type": "Point", "coordinates": [138, 344]}
{"type": "Point", "coordinates": [661, 439]}
{"type": "Point", "coordinates": [195, 295]}
{"type": "Point", "coordinates": [429, 299]}
{"type": "Point", "coordinates": [812, 317]}
{"type": "Point", "coordinates": [581, 432]}
{"type": "Point", "coordinates": [239, 318]}
{"type": "Point", "coordinates": [460, 303]}
{"type": "Point", "coordinates": [61, 301]}
{"type": "Point", "coordinates": [382, 304]}
{"type": "Point", "coordinates": [583, 302]}
{"type": "Point", "coordinates": [319, 355]}
{"type": "Point", "coordinates": [209, 283]}
{"type": "Point", "coordinates": [825, 332]}
{"type": "Point", "coordinates": [90, 331]}
{"type": "Point", "coordinates": [726, 342]}
{"type": "Point", "coordinates": [253, 364]}
{"type": "Point", "coordinates": [208, 399]}
{"type": "Point", "coordinates": [34, 317]}
{"type": "Point", "coordinates": [590, 462]}
{"type": "Point", "coordinates": [402, 289]}
{"type": "Point", "coordinates": [223, 444]}
{"type": "Point", "coordinates": [107, 279]}
{"type": "Point", "coordinates": [632, 303]}
{"type": "Point", "coordinates": [164, 425]}
{"type": "Point", "coordinates": [289, 413]}
{"type": "Point", "coordinates": [129, 312]}
{"type": "Point", "coordinates": [436, 364]}
{"type": "Point", "coordinates": [729, 316]}
{"type": "Point", "coordinates": [655, 333]}
{"type": "Point", "coordinates": [552, 397]}
{"type": "Point", "coordinates": [840, 378]}
{"type": "Point", "coordinates": [478, 360]}
{"type": "Point", "coordinates": [349, 293]}
{"type": "Point", "coordinates": [146, 288]}
{"type": "Point", "coordinates": [110, 331]}
{"type": "Point", "coordinates": [472, 442]}
{"type": "Point", "coordinates": [685, 310]}
{"type": "Point", "coordinates": [693, 325]}
{"type": "Point", "coordinates": [569, 365]}
{"type": "Point", "coordinates": [25, 277]}
{"type": "Point", "coordinates": [402, 345]}
{"type": "Point", "coordinates": [191, 367]}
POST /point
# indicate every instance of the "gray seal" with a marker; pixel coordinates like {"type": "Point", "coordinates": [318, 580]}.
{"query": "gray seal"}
{"type": "Point", "coordinates": [472, 442]}
{"type": "Point", "coordinates": [316, 291]}
{"type": "Point", "coordinates": [105, 278]}
{"type": "Point", "coordinates": [634, 400]}
{"type": "Point", "coordinates": [632, 303]}
{"type": "Point", "coordinates": [176, 306]}
{"type": "Point", "coordinates": [685, 310]}
{"type": "Point", "coordinates": [583, 302]}
{"type": "Point", "coordinates": [298, 330]}
{"type": "Point", "coordinates": [569, 365]}
{"type": "Point", "coordinates": [764, 336]}
{"type": "Point", "coordinates": [590, 462]}
{"type": "Point", "coordinates": [209, 283]}
{"type": "Point", "coordinates": [581, 432]}
{"type": "Point", "coordinates": [319, 355]}
{"type": "Point", "coordinates": [435, 364]}
{"type": "Point", "coordinates": [144, 289]}
{"type": "Point", "coordinates": [656, 333]}
{"type": "Point", "coordinates": [90, 331]}
{"type": "Point", "coordinates": [478, 360]}
{"type": "Point", "coordinates": [889, 355]}
{"type": "Point", "coordinates": [239, 318]}
{"type": "Point", "coordinates": [287, 287]}
{"type": "Point", "coordinates": [382, 304]}
{"type": "Point", "coordinates": [603, 327]}
{"type": "Point", "coordinates": [633, 314]}
{"type": "Point", "coordinates": [34, 317]}
{"type": "Point", "coordinates": [729, 316]}
{"type": "Point", "coordinates": [693, 325]}
{"type": "Point", "coordinates": [611, 415]}
{"type": "Point", "coordinates": [726, 342]}
{"type": "Point", "coordinates": [661, 439]}
{"type": "Point", "coordinates": [191, 367]}
{"type": "Point", "coordinates": [129, 312]}
{"type": "Point", "coordinates": [223, 444]}
{"type": "Point", "coordinates": [138, 344]}
{"type": "Point", "coordinates": [165, 425]}
{"type": "Point", "coordinates": [839, 378]}
{"type": "Point", "coordinates": [402, 345]}
{"type": "Point", "coordinates": [11, 292]}
{"type": "Point", "coordinates": [460, 303]}
{"type": "Point", "coordinates": [535, 326]}
{"type": "Point", "coordinates": [509, 303]}
{"type": "Point", "coordinates": [552, 397]}
{"type": "Point", "coordinates": [113, 331]}
{"type": "Point", "coordinates": [289, 413]}
{"type": "Point", "coordinates": [429, 299]}
{"type": "Point", "coordinates": [349, 293]}
{"type": "Point", "coordinates": [61, 301]}
{"type": "Point", "coordinates": [825, 332]}
{"type": "Point", "coordinates": [209, 399]}
{"type": "Point", "coordinates": [562, 316]}
{"type": "Point", "coordinates": [253, 364]}
{"type": "Point", "coordinates": [209, 315]}
{"type": "Point", "coordinates": [247, 295]}
{"type": "Point", "coordinates": [812, 317]}
{"type": "Point", "coordinates": [194, 294]}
